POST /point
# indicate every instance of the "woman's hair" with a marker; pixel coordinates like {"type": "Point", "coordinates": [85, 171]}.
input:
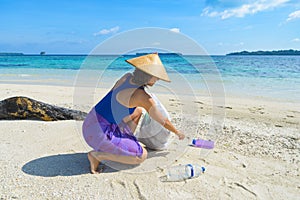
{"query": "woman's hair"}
{"type": "Point", "coordinates": [140, 77]}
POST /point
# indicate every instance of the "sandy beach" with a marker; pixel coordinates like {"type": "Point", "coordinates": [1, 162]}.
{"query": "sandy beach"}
{"type": "Point", "coordinates": [226, 71]}
{"type": "Point", "coordinates": [256, 155]}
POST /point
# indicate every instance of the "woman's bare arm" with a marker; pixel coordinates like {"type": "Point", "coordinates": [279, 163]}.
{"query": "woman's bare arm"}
{"type": "Point", "coordinates": [142, 99]}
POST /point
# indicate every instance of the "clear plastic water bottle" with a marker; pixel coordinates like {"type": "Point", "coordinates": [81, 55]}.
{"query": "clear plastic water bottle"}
{"type": "Point", "coordinates": [183, 172]}
{"type": "Point", "coordinates": [206, 144]}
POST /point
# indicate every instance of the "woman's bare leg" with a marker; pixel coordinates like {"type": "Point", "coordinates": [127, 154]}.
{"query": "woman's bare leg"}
{"type": "Point", "coordinates": [94, 163]}
{"type": "Point", "coordinates": [96, 157]}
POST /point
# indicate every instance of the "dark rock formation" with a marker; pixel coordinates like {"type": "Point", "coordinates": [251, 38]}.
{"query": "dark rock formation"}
{"type": "Point", "coordinates": [16, 108]}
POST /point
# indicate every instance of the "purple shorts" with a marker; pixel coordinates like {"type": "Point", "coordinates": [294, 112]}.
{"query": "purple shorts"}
{"type": "Point", "coordinates": [110, 138]}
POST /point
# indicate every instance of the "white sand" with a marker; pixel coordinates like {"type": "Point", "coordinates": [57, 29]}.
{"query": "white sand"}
{"type": "Point", "coordinates": [257, 154]}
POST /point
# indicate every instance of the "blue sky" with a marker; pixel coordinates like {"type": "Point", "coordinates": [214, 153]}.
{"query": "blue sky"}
{"type": "Point", "coordinates": [219, 26]}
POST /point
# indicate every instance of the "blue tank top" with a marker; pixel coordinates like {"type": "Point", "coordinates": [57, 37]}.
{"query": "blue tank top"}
{"type": "Point", "coordinates": [110, 108]}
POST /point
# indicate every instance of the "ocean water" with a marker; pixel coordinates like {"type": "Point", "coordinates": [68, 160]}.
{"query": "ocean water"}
{"type": "Point", "coordinates": [271, 77]}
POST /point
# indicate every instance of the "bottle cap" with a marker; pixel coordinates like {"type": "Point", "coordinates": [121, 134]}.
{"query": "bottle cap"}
{"type": "Point", "coordinates": [194, 141]}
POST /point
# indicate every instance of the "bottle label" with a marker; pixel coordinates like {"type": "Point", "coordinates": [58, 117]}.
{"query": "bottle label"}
{"type": "Point", "coordinates": [192, 170]}
{"type": "Point", "coordinates": [206, 144]}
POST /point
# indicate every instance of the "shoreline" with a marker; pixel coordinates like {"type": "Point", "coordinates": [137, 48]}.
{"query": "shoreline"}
{"type": "Point", "coordinates": [256, 155]}
{"type": "Point", "coordinates": [231, 100]}
{"type": "Point", "coordinates": [196, 89]}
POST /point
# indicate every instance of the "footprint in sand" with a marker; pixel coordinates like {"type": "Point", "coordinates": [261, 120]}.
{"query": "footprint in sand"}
{"type": "Point", "coordinates": [198, 102]}
{"type": "Point", "coordinates": [256, 110]}
{"type": "Point", "coordinates": [290, 116]}
{"type": "Point", "coordinates": [226, 107]}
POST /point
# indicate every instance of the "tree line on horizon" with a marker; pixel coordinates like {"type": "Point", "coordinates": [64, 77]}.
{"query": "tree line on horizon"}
{"type": "Point", "coordinates": [278, 52]}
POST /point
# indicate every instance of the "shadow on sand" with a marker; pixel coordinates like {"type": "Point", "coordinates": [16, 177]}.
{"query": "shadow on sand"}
{"type": "Point", "coordinates": [60, 165]}
{"type": "Point", "coordinates": [71, 165]}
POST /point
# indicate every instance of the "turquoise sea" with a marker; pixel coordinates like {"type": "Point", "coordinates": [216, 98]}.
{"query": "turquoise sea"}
{"type": "Point", "coordinates": [270, 77]}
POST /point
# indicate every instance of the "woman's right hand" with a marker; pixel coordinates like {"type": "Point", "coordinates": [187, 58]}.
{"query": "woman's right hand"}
{"type": "Point", "coordinates": [180, 135]}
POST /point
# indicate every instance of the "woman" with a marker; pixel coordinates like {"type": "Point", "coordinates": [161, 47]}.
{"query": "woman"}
{"type": "Point", "coordinates": [109, 126]}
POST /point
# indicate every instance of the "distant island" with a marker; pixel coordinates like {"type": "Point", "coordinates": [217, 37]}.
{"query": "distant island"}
{"type": "Point", "coordinates": [11, 54]}
{"type": "Point", "coordinates": [290, 52]}
{"type": "Point", "coordinates": [166, 54]}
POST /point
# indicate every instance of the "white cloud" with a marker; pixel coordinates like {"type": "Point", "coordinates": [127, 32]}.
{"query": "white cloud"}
{"type": "Point", "coordinates": [176, 30]}
{"type": "Point", "coordinates": [248, 27]}
{"type": "Point", "coordinates": [107, 31]}
{"type": "Point", "coordinates": [296, 40]}
{"type": "Point", "coordinates": [245, 9]}
{"type": "Point", "coordinates": [156, 43]}
{"type": "Point", "coordinates": [294, 15]}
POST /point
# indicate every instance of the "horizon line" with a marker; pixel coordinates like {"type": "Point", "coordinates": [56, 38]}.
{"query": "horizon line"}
{"type": "Point", "coordinates": [81, 54]}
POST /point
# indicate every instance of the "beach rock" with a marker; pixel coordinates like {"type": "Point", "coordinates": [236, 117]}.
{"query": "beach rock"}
{"type": "Point", "coordinates": [18, 108]}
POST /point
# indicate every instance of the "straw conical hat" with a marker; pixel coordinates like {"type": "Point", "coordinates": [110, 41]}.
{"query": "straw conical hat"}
{"type": "Point", "coordinates": [150, 64]}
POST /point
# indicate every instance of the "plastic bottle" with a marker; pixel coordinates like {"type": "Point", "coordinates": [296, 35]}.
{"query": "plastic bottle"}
{"type": "Point", "coordinates": [206, 144]}
{"type": "Point", "coordinates": [183, 172]}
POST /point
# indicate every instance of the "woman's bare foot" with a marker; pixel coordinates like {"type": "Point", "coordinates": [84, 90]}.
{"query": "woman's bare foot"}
{"type": "Point", "coordinates": [93, 162]}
